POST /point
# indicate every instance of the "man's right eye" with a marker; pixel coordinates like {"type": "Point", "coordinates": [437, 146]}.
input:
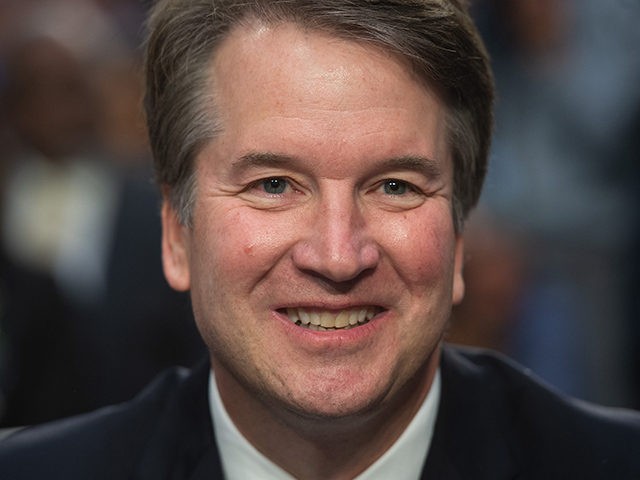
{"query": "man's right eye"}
{"type": "Point", "coordinates": [274, 185]}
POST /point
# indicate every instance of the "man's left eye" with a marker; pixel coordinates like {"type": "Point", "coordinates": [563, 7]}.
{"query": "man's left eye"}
{"type": "Point", "coordinates": [395, 187]}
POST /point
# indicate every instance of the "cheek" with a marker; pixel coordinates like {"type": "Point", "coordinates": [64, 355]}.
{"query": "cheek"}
{"type": "Point", "coordinates": [238, 244]}
{"type": "Point", "coordinates": [227, 261]}
{"type": "Point", "coordinates": [422, 250]}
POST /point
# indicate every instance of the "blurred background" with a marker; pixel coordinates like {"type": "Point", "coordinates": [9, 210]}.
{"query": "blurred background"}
{"type": "Point", "coordinates": [86, 318]}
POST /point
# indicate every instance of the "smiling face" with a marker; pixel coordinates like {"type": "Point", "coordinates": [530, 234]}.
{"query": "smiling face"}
{"type": "Point", "coordinates": [322, 258]}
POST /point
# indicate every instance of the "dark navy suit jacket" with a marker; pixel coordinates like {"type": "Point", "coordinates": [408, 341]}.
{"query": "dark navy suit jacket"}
{"type": "Point", "coordinates": [494, 422]}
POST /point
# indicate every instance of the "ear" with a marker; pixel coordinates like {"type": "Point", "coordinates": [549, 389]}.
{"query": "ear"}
{"type": "Point", "coordinates": [175, 250]}
{"type": "Point", "coordinates": [458, 279]}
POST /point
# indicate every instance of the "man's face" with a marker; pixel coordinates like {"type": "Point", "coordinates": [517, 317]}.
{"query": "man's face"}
{"type": "Point", "coordinates": [325, 199]}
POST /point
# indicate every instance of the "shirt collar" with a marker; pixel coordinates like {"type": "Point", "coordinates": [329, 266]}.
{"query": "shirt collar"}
{"type": "Point", "coordinates": [404, 460]}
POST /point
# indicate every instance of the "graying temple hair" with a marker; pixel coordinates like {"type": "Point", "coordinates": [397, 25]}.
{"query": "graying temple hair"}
{"type": "Point", "coordinates": [436, 37]}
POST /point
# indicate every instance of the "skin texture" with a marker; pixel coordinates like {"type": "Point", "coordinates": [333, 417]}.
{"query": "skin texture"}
{"type": "Point", "coordinates": [356, 212]}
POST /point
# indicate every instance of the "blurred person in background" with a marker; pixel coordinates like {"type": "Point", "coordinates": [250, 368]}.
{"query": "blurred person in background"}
{"type": "Point", "coordinates": [87, 317]}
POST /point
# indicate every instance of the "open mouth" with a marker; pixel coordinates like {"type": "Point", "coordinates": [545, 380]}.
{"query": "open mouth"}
{"type": "Point", "coordinates": [325, 320]}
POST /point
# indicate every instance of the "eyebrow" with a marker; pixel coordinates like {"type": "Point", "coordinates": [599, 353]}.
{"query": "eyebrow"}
{"type": "Point", "coordinates": [426, 166]}
{"type": "Point", "coordinates": [262, 159]}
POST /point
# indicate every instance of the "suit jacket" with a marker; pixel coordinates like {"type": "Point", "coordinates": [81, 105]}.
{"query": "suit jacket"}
{"type": "Point", "coordinates": [495, 421]}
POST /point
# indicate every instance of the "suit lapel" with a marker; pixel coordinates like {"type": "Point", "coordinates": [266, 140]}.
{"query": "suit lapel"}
{"type": "Point", "coordinates": [183, 447]}
{"type": "Point", "coordinates": [472, 436]}
{"type": "Point", "coordinates": [209, 466]}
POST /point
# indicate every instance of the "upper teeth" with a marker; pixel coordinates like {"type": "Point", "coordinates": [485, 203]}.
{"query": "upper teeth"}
{"type": "Point", "coordinates": [326, 319]}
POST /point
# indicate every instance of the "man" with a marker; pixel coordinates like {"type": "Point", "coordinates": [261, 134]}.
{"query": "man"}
{"type": "Point", "coordinates": [317, 160]}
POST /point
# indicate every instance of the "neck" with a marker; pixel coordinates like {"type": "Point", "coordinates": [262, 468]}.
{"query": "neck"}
{"type": "Point", "coordinates": [321, 448]}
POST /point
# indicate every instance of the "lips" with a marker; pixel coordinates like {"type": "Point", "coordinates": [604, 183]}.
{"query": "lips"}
{"type": "Point", "coordinates": [325, 320]}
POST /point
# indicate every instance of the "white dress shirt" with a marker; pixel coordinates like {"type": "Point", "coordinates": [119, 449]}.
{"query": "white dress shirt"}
{"type": "Point", "coordinates": [402, 461]}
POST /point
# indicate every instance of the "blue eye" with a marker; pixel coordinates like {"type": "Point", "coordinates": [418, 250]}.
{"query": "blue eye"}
{"type": "Point", "coordinates": [395, 187]}
{"type": "Point", "coordinates": [274, 186]}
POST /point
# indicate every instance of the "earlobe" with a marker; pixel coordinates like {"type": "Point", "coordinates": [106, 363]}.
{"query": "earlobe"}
{"type": "Point", "coordinates": [175, 254]}
{"type": "Point", "coordinates": [458, 278]}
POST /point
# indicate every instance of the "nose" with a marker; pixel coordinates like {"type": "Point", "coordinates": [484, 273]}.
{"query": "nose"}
{"type": "Point", "coordinates": [337, 243]}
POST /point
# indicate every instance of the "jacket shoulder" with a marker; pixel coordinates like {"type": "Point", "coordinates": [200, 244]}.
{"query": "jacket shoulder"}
{"type": "Point", "coordinates": [549, 432]}
{"type": "Point", "coordinates": [105, 443]}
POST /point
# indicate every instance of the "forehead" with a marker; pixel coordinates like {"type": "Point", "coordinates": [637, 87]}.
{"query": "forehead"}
{"type": "Point", "coordinates": [274, 83]}
{"type": "Point", "coordinates": [288, 55]}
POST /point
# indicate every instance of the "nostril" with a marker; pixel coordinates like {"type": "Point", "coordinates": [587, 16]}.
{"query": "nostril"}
{"type": "Point", "coordinates": [331, 286]}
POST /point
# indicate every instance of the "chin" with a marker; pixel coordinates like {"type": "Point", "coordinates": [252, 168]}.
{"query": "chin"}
{"type": "Point", "coordinates": [339, 398]}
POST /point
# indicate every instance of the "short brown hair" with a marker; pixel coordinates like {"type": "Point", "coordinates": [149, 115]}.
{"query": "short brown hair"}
{"type": "Point", "coordinates": [436, 37]}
